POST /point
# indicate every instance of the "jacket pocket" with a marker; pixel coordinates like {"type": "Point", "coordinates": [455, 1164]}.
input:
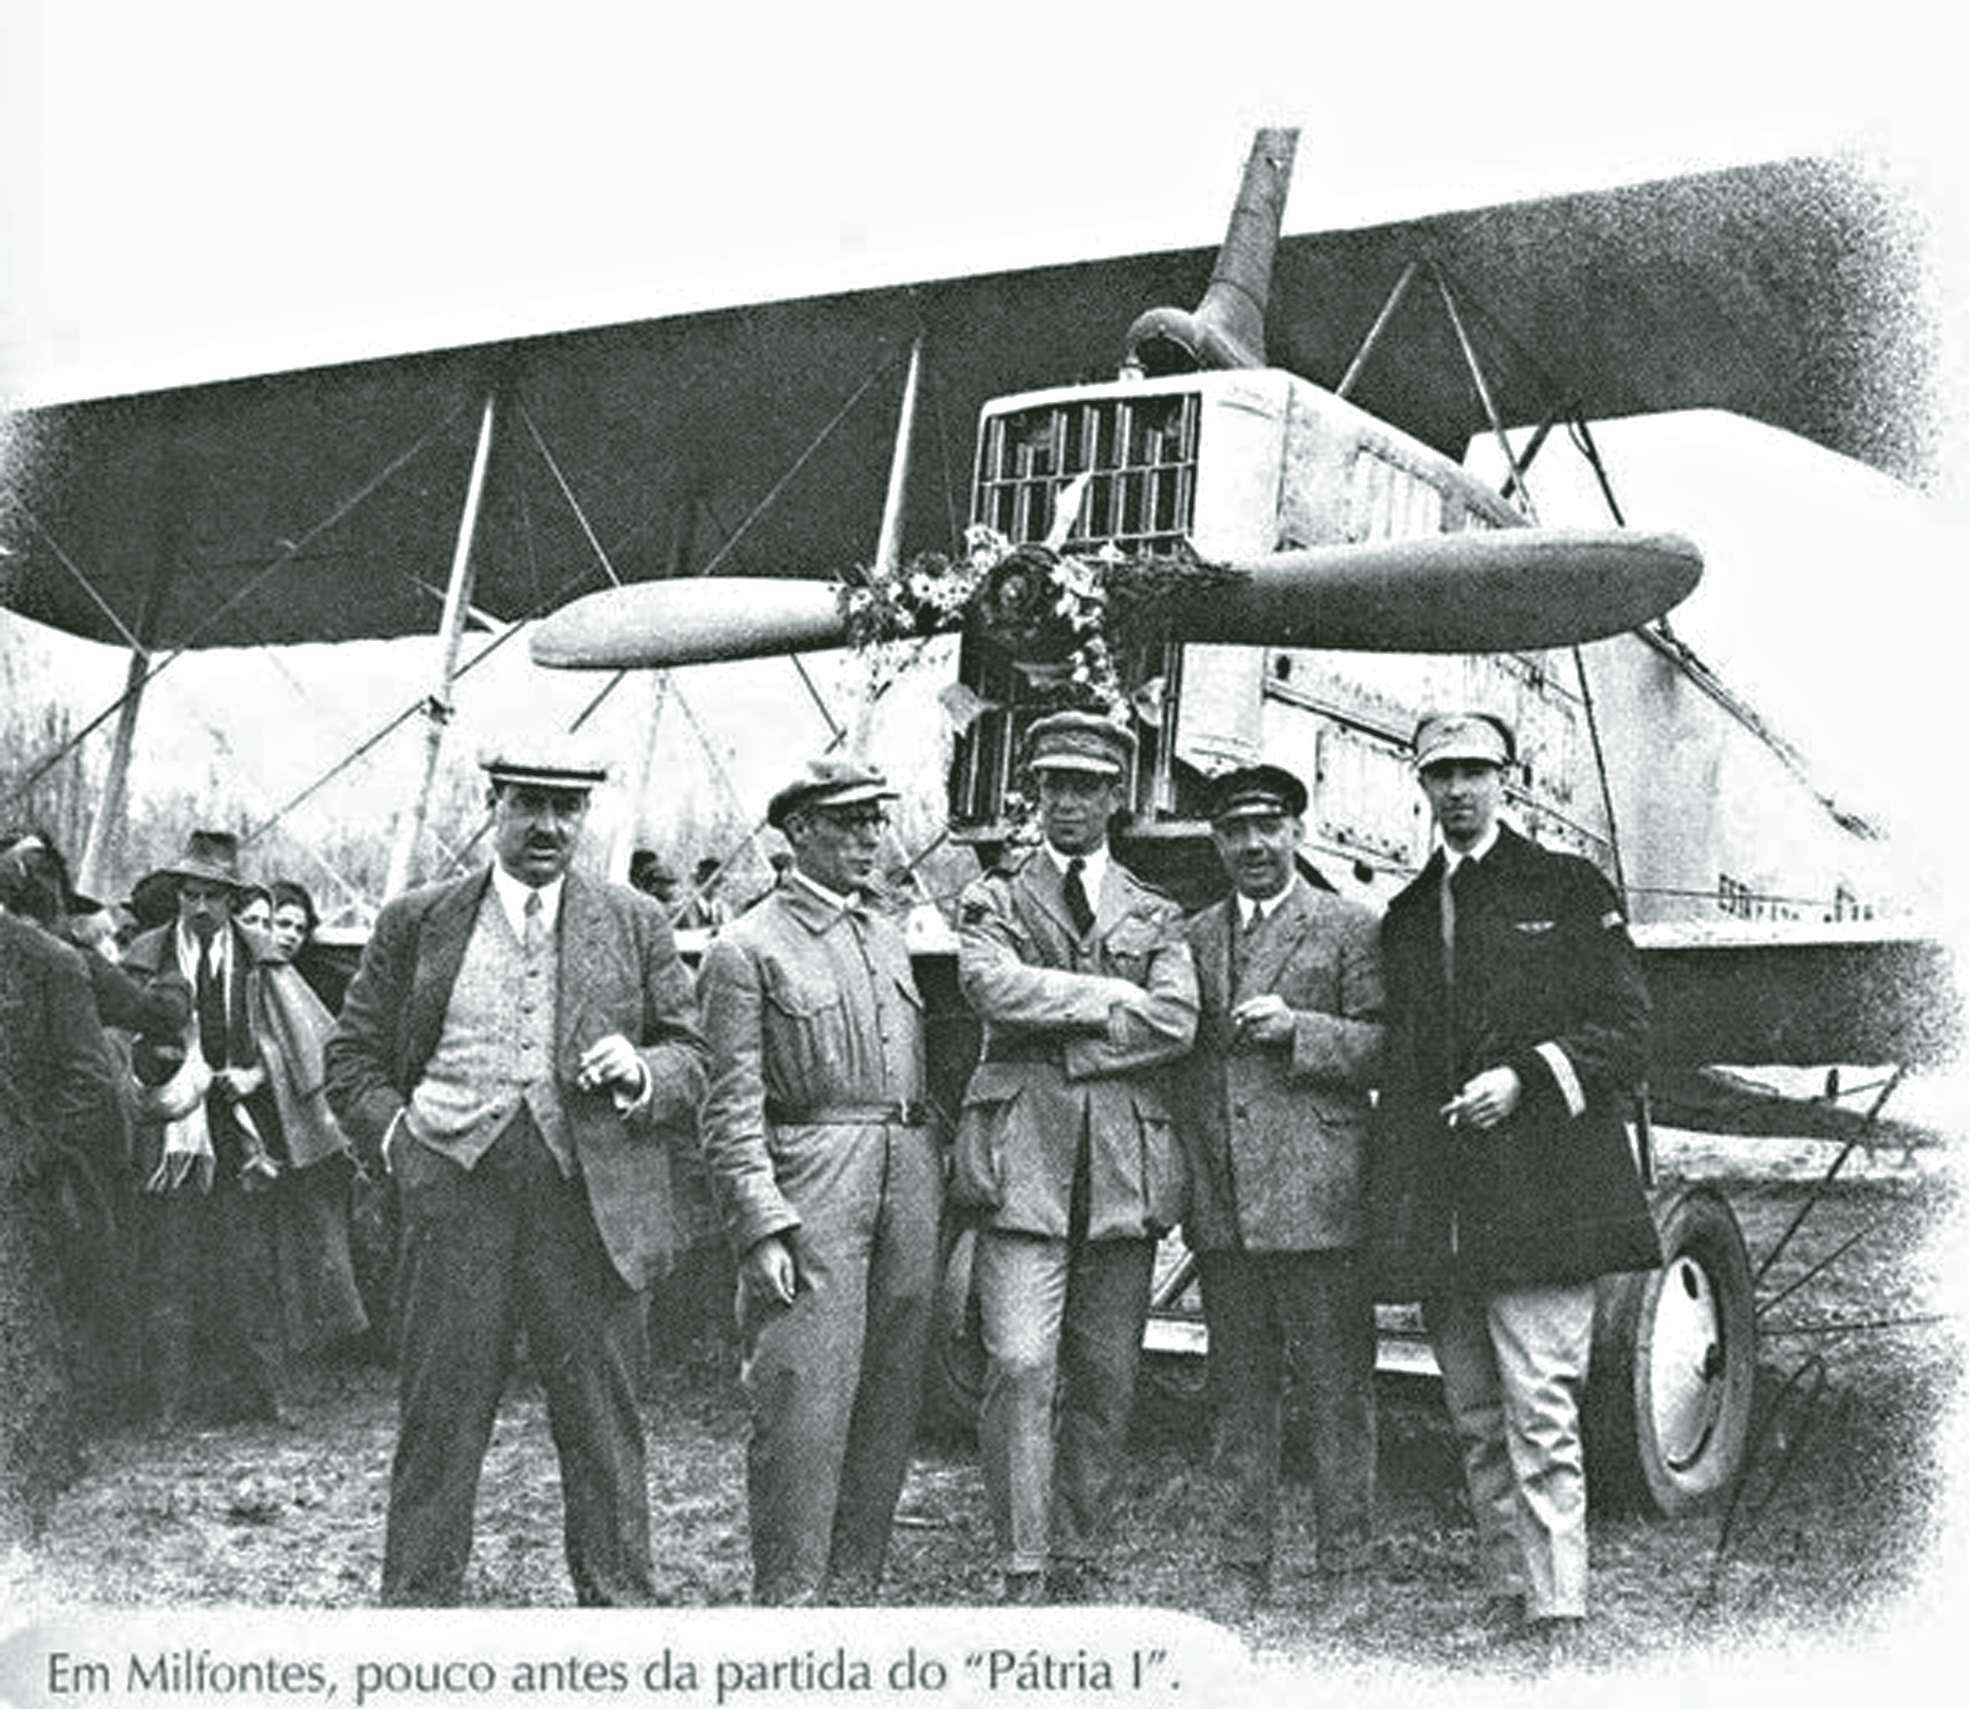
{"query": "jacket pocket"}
{"type": "Point", "coordinates": [1165, 1174]}
{"type": "Point", "coordinates": [806, 1036]}
{"type": "Point", "coordinates": [977, 1180]}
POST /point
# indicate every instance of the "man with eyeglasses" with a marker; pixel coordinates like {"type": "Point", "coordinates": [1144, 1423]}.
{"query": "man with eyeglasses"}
{"type": "Point", "coordinates": [829, 1182]}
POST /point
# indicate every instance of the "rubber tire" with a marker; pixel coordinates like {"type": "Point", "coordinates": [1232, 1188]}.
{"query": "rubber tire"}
{"type": "Point", "coordinates": [1675, 1454]}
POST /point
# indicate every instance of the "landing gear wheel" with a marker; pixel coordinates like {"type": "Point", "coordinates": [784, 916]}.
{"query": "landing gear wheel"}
{"type": "Point", "coordinates": [1668, 1407]}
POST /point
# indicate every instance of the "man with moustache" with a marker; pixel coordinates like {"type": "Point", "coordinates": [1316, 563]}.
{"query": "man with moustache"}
{"type": "Point", "coordinates": [1065, 1153]}
{"type": "Point", "coordinates": [820, 1150]}
{"type": "Point", "coordinates": [1274, 1119]}
{"type": "Point", "coordinates": [1517, 1036]}
{"type": "Point", "coordinates": [520, 1047]}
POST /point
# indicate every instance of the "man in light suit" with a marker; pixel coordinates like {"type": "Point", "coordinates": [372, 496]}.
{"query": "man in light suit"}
{"type": "Point", "coordinates": [520, 1046]}
{"type": "Point", "coordinates": [1274, 1119]}
{"type": "Point", "coordinates": [1066, 1155]}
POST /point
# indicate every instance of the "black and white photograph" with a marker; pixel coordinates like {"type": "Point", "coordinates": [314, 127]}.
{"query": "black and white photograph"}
{"type": "Point", "coordinates": [1075, 853]}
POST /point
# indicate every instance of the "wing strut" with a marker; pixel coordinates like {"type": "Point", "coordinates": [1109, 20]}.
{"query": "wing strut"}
{"type": "Point", "coordinates": [457, 601]}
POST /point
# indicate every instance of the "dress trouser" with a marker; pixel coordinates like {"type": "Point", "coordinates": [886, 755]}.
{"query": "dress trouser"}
{"type": "Point", "coordinates": [835, 1380]}
{"type": "Point", "coordinates": [1309, 1312]}
{"type": "Point", "coordinates": [1514, 1367]}
{"type": "Point", "coordinates": [1062, 1324]}
{"type": "Point", "coordinates": [510, 1244]}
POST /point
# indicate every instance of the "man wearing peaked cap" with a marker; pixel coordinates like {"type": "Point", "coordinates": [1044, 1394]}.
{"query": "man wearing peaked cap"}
{"type": "Point", "coordinates": [828, 1176]}
{"type": "Point", "coordinates": [1504, 1184]}
{"type": "Point", "coordinates": [1257, 792]}
{"type": "Point", "coordinates": [1274, 1117]}
{"type": "Point", "coordinates": [827, 783]}
{"type": "Point", "coordinates": [1066, 1155]}
{"type": "Point", "coordinates": [519, 1048]}
{"type": "Point", "coordinates": [1079, 741]}
{"type": "Point", "coordinates": [545, 765]}
{"type": "Point", "coordinates": [1476, 738]}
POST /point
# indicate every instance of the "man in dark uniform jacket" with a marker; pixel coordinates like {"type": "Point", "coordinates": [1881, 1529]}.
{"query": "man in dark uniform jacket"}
{"type": "Point", "coordinates": [521, 1047]}
{"type": "Point", "coordinates": [1517, 1038]}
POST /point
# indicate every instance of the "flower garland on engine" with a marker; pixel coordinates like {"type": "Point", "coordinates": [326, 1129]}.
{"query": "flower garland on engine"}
{"type": "Point", "coordinates": [1087, 628]}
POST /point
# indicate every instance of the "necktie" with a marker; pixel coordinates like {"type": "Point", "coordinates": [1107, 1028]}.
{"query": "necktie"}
{"type": "Point", "coordinates": [1078, 907]}
{"type": "Point", "coordinates": [211, 1009]}
{"type": "Point", "coordinates": [530, 936]}
{"type": "Point", "coordinates": [1455, 887]}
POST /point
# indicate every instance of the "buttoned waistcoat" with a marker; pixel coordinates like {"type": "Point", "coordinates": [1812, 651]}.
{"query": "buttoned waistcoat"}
{"type": "Point", "coordinates": [619, 973]}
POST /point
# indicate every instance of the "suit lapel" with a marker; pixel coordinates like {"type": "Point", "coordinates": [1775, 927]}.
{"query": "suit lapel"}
{"type": "Point", "coordinates": [1047, 886]}
{"type": "Point", "coordinates": [584, 952]}
{"type": "Point", "coordinates": [447, 928]}
{"type": "Point", "coordinates": [1278, 941]}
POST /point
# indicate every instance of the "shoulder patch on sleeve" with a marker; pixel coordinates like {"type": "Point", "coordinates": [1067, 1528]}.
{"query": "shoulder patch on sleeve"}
{"type": "Point", "coordinates": [974, 910]}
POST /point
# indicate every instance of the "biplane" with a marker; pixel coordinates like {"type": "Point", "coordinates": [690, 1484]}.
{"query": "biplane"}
{"type": "Point", "coordinates": [1280, 475]}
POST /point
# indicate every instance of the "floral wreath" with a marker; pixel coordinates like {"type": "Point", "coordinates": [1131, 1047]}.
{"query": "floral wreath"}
{"type": "Point", "coordinates": [1086, 627]}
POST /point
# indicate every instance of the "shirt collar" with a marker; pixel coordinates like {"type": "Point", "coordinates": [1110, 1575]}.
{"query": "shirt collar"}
{"type": "Point", "coordinates": [1093, 868]}
{"type": "Point", "coordinates": [1452, 858]}
{"type": "Point", "coordinates": [513, 894]}
{"type": "Point", "coordinates": [188, 948]}
{"type": "Point", "coordinates": [1265, 909]}
{"type": "Point", "coordinates": [831, 897]}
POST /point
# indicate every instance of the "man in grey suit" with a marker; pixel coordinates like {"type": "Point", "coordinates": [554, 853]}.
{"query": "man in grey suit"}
{"type": "Point", "coordinates": [521, 1047]}
{"type": "Point", "coordinates": [1274, 1121]}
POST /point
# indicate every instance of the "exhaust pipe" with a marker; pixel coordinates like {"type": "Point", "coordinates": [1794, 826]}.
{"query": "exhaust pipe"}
{"type": "Point", "coordinates": [1226, 329]}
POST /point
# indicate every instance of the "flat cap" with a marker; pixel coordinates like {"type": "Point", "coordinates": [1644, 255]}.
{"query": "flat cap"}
{"type": "Point", "coordinates": [1255, 792]}
{"type": "Point", "coordinates": [1079, 741]}
{"type": "Point", "coordinates": [544, 765]}
{"type": "Point", "coordinates": [828, 783]}
{"type": "Point", "coordinates": [1479, 737]}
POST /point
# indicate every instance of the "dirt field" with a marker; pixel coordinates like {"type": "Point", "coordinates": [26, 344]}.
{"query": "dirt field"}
{"type": "Point", "coordinates": [1834, 1533]}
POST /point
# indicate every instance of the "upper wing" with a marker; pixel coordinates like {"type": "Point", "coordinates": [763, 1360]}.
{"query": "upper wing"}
{"type": "Point", "coordinates": [324, 505]}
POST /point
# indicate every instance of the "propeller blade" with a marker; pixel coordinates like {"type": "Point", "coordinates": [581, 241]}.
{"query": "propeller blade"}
{"type": "Point", "coordinates": [667, 623]}
{"type": "Point", "coordinates": [1490, 591]}
{"type": "Point", "coordinates": [1498, 590]}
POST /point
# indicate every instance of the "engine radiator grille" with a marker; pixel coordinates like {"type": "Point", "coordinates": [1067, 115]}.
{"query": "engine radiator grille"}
{"type": "Point", "coordinates": [1142, 451]}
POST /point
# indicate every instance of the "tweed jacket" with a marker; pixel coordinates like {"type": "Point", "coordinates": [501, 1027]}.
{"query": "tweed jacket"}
{"type": "Point", "coordinates": [1547, 983]}
{"type": "Point", "coordinates": [793, 1042]}
{"type": "Point", "coordinates": [618, 973]}
{"type": "Point", "coordinates": [1078, 1033]}
{"type": "Point", "coordinates": [1277, 1136]}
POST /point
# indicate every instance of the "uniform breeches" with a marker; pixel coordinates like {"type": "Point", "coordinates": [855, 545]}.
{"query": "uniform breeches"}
{"type": "Point", "coordinates": [1514, 1368]}
{"type": "Point", "coordinates": [1063, 1327]}
{"type": "Point", "coordinates": [1309, 1314]}
{"type": "Point", "coordinates": [487, 1252]}
{"type": "Point", "coordinates": [835, 1379]}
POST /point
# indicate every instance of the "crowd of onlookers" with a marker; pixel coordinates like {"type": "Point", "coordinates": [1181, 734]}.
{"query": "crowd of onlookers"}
{"type": "Point", "coordinates": [186, 1213]}
{"type": "Point", "coordinates": [504, 1102]}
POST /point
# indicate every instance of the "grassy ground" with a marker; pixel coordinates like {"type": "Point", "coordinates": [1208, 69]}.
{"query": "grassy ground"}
{"type": "Point", "coordinates": [1835, 1529]}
